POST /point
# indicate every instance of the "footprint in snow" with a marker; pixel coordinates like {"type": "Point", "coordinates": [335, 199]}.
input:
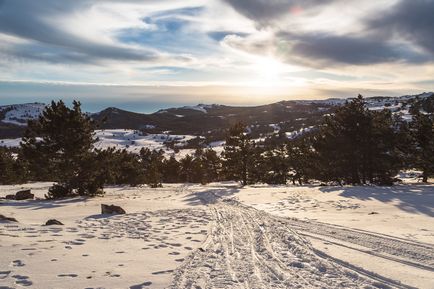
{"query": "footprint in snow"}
{"type": "Point", "coordinates": [142, 285]}
{"type": "Point", "coordinates": [4, 274]}
{"type": "Point", "coordinates": [22, 280]}
{"type": "Point", "coordinates": [72, 275]}
{"type": "Point", "coordinates": [18, 263]}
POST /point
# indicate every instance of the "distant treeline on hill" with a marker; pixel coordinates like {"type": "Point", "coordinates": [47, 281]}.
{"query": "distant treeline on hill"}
{"type": "Point", "coordinates": [354, 145]}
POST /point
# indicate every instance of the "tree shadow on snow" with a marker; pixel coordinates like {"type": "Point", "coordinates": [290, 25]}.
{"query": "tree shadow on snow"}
{"type": "Point", "coordinates": [41, 204]}
{"type": "Point", "coordinates": [409, 198]}
{"type": "Point", "coordinates": [210, 196]}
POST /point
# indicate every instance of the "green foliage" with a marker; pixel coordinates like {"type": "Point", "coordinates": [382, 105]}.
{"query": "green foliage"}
{"type": "Point", "coordinates": [171, 168]}
{"type": "Point", "coordinates": [275, 165]}
{"type": "Point", "coordinates": [240, 156]}
{"type": "Point", "coordinates": [12, 168]}
{"type": "Point", "coordinates": [356, 145]}
{"type": "Point", "coordinates": [152, 162]}
{"type": "Point", "coordinates": [422, 137]}
{"type": "Point", "coordinates": [58, 147]}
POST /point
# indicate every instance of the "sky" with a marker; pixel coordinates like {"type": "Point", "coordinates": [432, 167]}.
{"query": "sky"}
{"type": "Point", "coordinates": [150, 54]}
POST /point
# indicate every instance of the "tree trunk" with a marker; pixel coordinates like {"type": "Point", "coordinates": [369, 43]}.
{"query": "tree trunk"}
{"type": "Point", "coordinates": [425, 177]}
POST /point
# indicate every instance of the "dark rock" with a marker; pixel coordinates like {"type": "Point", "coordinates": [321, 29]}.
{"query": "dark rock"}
{"type": "Point", "coordinates": [111, 209]}
{"type": "Point", "coordinates": [373, 213]}
{"type": "Point", "coordinates": [53, 222]}
{"type": "Point", "coordinates": [9, 219]}
{"type": "Point", "coordinates": [10, 197]}
{"type": "Point", "coordinates": [24, 195]}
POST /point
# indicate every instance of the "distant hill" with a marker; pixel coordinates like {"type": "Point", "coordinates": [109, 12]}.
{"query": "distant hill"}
{"type": "Point", "coordinates": [212, 120]}
{"type": "Point", "coordinates": [13, 118]}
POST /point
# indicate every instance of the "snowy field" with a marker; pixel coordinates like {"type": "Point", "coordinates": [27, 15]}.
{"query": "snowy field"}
{"type": "Point", "coordinates": [133, 141]}
{"type": "Point", "coordinates": [222, 236]}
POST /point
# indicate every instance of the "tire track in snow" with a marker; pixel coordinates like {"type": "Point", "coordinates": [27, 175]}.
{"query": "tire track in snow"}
{"type": "Point", "coordinates": [248, 248]}
{"type": "Point", "coordinates": [412, 253]}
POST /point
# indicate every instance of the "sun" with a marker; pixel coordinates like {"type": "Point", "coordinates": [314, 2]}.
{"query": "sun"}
{"type": "Point", "coordinates": [269, 71]}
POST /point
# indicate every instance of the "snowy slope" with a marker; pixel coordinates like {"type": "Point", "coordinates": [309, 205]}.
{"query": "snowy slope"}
{"type": "Point", "coordinates": [133, 140]}
{"type": "Point", "coordinates": [222, 236]}
{"type": "Point", "coordinates": [19, 114]}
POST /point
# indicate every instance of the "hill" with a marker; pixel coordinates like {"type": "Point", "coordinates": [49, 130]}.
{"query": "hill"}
{"type": "Point", "coordinates": [211, 121]}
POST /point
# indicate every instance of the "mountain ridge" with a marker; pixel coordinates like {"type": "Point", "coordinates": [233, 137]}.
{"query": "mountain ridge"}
{"type": "Point", "coordinates": [209, 119]}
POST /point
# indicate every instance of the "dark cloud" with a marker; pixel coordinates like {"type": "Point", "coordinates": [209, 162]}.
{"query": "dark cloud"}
{"type": "Point", "coordinates": [263, 11]}
{"type": "Point", "coordinates": [413, 20]}
{"type": "Point", "coordinates": [28, 19]}
{"type": "Point", "coordinates": [319, 49]}
{"type": "Point", "coordinates": [395, 34]}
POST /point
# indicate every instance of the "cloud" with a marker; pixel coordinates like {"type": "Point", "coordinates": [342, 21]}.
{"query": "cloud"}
{"type": "Point", "coordinates": [400, 33]}
{"type": "Point", "coordinates": [52, 42]}
{"type": "Point", "coordinates": [324, 49]}
{"type": "Point", "coordinates": [265, 11]}
{"type": "Point", "coordinates": [412, 20]}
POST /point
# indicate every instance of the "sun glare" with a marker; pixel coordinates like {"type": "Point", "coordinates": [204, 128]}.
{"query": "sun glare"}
{"type": "Point", "coordinates": [269, 71]}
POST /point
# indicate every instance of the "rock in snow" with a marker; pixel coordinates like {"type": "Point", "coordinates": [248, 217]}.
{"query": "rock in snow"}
{"type": "Point", "coordinates": [9, 219]}
{"type": "Point", "coordinates": [111, 209]}
{"type": "Point", "coordinates": [24, 195]}
{"type": "Point", "coordinates": [53, 222]}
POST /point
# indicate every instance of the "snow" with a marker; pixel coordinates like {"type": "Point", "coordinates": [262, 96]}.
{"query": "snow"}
{"type": "Point", "coordinates": [199, 107]}
{"type": "Point", "coordinates": [130, 140]}
{"type": "Point", "coordinates": [224, 236]}
{"type": "Point", "coordinates": [275, 126]}
{"type": "Point", "coordinates": [19, 114]}
{"type": "Point", "coordinates": [10, 142]}
{"type": "Point", "coordinates": [133, 140]}
{"type": "Point", "coordinates": [297, 133]}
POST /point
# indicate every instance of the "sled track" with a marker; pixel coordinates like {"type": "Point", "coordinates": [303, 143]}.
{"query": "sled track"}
{"type": "Point", "coordinates": [413, 253]}
{"type": "Point", "coordinates": [248, 248]}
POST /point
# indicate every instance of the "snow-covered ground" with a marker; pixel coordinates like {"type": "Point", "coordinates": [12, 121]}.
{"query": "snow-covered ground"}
{"type": "Point", "coordinates": [223, 236]}
{"type": "Point", "coordinates": [134, 141]}
{"type": "Point", "coordinates": [19, 114]}
{"type": "Point", "coordinates": [131, 140]}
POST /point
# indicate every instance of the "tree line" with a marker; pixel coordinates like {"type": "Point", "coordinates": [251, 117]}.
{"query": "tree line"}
{"type": "Point", "coordinates": [354, 145]}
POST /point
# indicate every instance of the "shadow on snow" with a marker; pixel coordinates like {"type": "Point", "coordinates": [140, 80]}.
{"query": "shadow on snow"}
{"type": "Point", "coordinates": [409, 198]}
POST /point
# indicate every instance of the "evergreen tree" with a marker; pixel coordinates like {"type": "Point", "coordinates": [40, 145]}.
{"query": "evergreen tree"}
{"type": "Point", "coordinates": [275, 165]}
{"type": "Point", "coordinates": [357, 145]}
{"type": "Point", "coordinates": [12, 169]}
{"type": "Point", "coordinates": [211, 165]}
{"type": "Point", "coordinates": [240, 156]}
{"type": "Point", "coordinates": [129, 167]}
{"type": "Point", "coordinates": [171, 169]}
{"type": "Point", "coordinates": [422, 132]}
{"type": "Point", "coordinates": [187, 170]}
{"type": "Point", "coordinates": [302, 159]}
{"type": "Point", "coordinates": [152, 163]}
{"type": "Point", "coordinates": [58, 145]}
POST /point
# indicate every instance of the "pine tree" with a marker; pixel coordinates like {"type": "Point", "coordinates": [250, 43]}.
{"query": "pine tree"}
{"type": "Point", "coordinates": [303, 160]}
{"type": "Point", "coordinates": [422, 131]}
{"type": "Point", "coordinates": [211, 165]}
{"type": "Point", "coordinates": [152, 162]}
{"type": "Point", "coordinates": [57, 146]}
{"type": "Point", "coordinates": [275, 165]}
{"type": "Point", "coordinates": [186, 173]}
{"type": "Point", "coordinates": [8, 173]}
{"type": "Point", "coordinates": [357, 145]}
{"type": "Point", "coordinates": [240, 155]}
{"type": "Point", "coordinates": [171, 169]}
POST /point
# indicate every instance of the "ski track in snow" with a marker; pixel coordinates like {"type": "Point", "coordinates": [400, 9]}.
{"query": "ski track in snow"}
{"type": "Point", "coordinates": [410, 252]}
{"type": "Point", "coordinates": [248, 248]}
